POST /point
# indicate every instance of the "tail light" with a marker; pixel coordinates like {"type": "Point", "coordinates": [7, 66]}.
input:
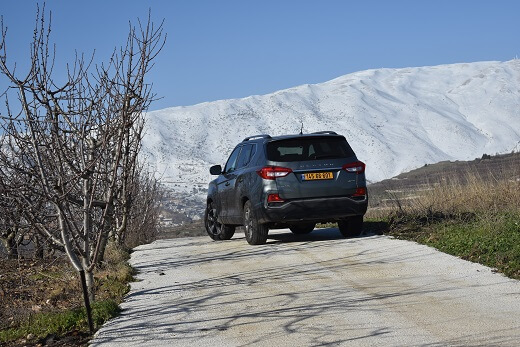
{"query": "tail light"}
{"type": "Point", "coordinates": [273, 172]}
{"type": "Point", "coordinates": [360, 192]}
{"type": "Point", "coordinates": [274, 198]}
{"type": "Point", "coordinates": [357, 167]}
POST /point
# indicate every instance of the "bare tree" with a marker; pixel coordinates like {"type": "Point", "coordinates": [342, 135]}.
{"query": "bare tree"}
{"type": "Point", "coordinates": [14, 228]}
{"type": "Point", "coordinates": [143, 221]}
{"type": "Point", "coordinates": [9, 223]}
{"type": "Point", "coordinates": [72, 147]}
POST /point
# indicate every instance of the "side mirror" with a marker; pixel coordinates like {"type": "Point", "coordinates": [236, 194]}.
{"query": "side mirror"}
{"type": "Point", "coordinates": [215, 170]}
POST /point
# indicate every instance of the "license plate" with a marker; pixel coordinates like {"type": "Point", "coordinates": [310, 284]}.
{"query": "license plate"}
{"type": "Point", "coordinates": [317, 176]}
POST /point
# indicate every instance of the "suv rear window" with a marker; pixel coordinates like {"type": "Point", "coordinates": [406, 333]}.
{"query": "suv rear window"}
{"type": "Point", "coordinates": [309, 148]}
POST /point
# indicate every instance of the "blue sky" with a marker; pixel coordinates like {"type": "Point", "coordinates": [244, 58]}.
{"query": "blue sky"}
{"type": "Point", "coordinates": [232, 49]}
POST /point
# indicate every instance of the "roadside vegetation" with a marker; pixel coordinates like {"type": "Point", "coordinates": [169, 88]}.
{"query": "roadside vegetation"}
{"type": "Point", "coordinates": [74, 191]}
{"type": "Point", "coordinates": [40, 303]}
{"type": "Point", "coordinates": [474, 214]}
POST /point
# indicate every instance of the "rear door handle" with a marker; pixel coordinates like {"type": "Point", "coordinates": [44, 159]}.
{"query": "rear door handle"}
{"type": "Point", "coordinates": [227, 184]}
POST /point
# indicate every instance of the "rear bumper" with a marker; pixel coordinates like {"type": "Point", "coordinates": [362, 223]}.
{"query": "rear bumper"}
{"type": "Point", "coordinates": [312, 210]}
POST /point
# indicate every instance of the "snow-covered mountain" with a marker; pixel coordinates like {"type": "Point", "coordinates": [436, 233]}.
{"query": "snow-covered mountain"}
{"type": "Point", "coordinates": [395, 120]}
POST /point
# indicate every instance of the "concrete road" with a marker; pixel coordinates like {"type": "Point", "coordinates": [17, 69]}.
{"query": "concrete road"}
{"type": "Point", "coordinates": [313, 290]}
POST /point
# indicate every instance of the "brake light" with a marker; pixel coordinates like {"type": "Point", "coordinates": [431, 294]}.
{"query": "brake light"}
{"type": "Point", "coordinates": [360, 192]}
{"type": "Point", "coordinates": [273, 172]}
{"type": "Point", "coordinates": [357, 167]}
{"type": "Point", "coordinates": [274, 198]}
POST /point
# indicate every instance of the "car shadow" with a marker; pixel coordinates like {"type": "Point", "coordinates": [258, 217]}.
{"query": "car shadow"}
{"type": "Point", "coordinates": [325, 234]}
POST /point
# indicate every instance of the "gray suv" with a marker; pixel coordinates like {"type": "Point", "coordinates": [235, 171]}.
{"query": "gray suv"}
{"type": "Point", "coordinates": [292, 181]}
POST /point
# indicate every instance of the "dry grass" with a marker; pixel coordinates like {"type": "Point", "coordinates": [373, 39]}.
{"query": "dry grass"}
{"type": "Point", "coordinates": [453, 196]}
{"type": "Point", "coordinates": [468, 216]}
{"type": "Point", "coordinates": [112, 279]}
{"type": "Point", "coordinates": [42, 297]}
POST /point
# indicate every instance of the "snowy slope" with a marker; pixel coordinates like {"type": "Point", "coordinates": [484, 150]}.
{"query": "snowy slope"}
{"type": "Point", "coordinates": [395, 119]}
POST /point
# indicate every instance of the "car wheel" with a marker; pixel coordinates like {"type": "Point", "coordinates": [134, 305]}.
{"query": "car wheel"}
{"type": "Point", "coordinates": [351, 227]}
{"type": "Point", "coordinates": [299, 229]}
{"type": "Point", "coordinates": [216, 230]}
{"type": "Point", "coordinates": [256, 233]}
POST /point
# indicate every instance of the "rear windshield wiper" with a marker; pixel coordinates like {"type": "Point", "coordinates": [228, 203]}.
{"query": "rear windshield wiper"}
{"type": "Point", "coordinates": [325, 156]}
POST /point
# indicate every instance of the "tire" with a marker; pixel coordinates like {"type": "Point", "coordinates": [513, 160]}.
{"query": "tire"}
{"type": "Point", "coordinates": [300, 229]}
{"type": "Point", "coordinates": [217, 231]}
{"type": "Point", "coordinates": [351, 227]}
{"type": "Point", "coordinates": [256, 233]}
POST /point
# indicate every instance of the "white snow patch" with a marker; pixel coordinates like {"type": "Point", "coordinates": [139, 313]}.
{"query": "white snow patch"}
{"type": "Point", "coordinates": [395, 119]}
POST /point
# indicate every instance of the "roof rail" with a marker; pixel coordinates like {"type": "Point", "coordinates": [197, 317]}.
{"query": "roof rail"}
{"type": "Point", "coordinates": [262, 136]}
{"type": "Point", "coordinates": [326, 132]}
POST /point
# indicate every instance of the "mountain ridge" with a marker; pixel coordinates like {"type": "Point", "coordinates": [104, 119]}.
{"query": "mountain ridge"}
{"type": "Point", "coordinates": [395, 119]}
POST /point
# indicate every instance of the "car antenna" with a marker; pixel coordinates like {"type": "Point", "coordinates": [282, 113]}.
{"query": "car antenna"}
{"type": "Point", "coordinates": [301, 130]}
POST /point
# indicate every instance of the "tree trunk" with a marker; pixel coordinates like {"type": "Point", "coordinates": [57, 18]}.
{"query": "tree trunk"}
{"type": "Point", "coordinates": [39, 247]}
{"type": "Point", "coordinates": [104, 236]}
{"type": "Point", "coordinates": [86, 299]}
{"type": "Point", "coordinates": [89, 280]}
{"type": "Point", "coordinates": [87, 231]}
{"type": "Point", "coordinates": [10, 245]}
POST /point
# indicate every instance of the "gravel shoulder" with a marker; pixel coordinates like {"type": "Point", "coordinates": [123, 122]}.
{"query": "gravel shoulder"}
{"type": "Point", "coordinates": [312, 290]}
